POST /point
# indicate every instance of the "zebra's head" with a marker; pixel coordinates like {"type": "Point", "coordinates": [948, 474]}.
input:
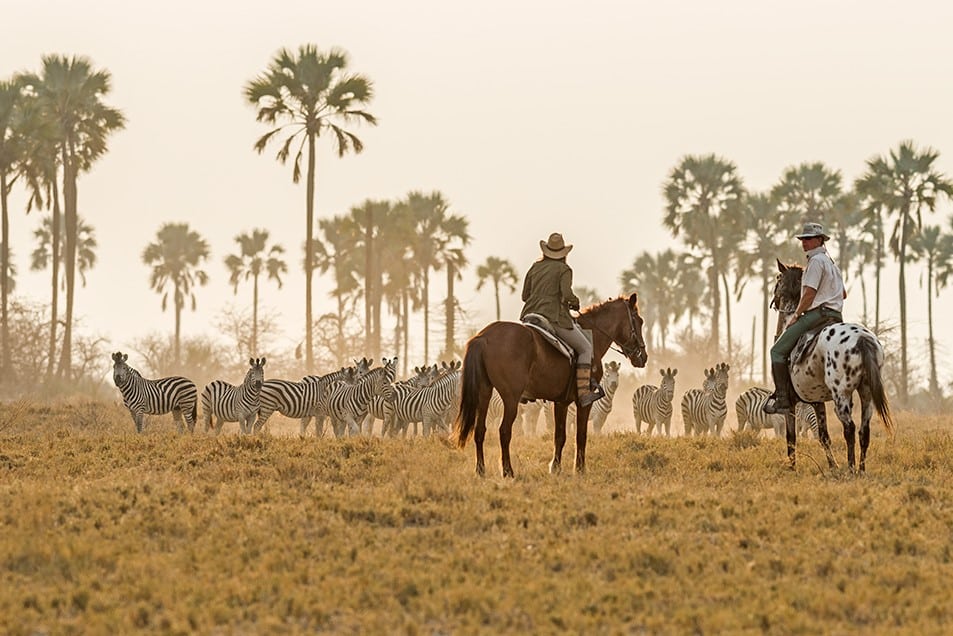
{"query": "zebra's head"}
{"type": "Point", "coordinates": [121, 371]}
{"type": "Point", "coordinates": [721, 378]}
{"type": "Point", "coordinates": [256, 373]}
{"type": "Point", "coordinates": [610, 378]}
{"type": "Point", "coordinates": [667, 386]}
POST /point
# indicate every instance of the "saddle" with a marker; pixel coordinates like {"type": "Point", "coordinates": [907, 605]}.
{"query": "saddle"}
{"type": "Point", "coordinates": [545, 328]}
{"type": "Point", "coordinates": [805, 344]}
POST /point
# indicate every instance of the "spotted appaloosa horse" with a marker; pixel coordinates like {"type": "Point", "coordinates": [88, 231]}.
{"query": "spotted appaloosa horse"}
{"type": "Point", "coordinates": [845, 358]}
{"type": "Point", "coordinates": [520, 364]}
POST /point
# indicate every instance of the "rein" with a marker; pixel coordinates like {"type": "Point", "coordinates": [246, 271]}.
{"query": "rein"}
{"type": "Point", "coordinates": [631, 346]}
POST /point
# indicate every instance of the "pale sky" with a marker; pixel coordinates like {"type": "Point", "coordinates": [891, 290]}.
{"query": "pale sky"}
{"type": "Point", "coordinates": [530, 117]}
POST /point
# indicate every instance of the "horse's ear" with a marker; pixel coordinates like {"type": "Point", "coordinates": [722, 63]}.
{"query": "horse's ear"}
{"type": "Point", "coordinates": [633, 299]}
{"type": "Point", "coordinates": [781, 266]}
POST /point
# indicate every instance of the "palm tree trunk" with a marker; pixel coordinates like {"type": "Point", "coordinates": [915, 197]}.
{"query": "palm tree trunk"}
{"type": "Point", "coordinates": [934, 384]}
{"type": "Point", "coordinates": [406, 320]}
{"type": "Point", "coordinates": [55, 294]}
{"type": "Point", "coordinates": [426, 299]}
{"type": "Point", "coordinates": [309, 260]}
{"type": "Point", "coordinates": [724, 280]}
{"type": "Point", "coordinates": [254, 319]}
{"type": "Point", "coordinates": [448, 345]}
{"type": "Point", "coordinates": [178, 328]}
{"type": "Point", "coordinates": [340, 344]}
{"type": "Point", "coordinates": [879, 259]}
{"type": "Point", "coordinates": [69, 200]}
{"type": "Point", "coordinates": [715, 305]}
{"type": "Point", "coordinates": [378, 301]}
{"type": "Point", "coordinates": [368, 281]}
{"type": "Point", "coordinates": [496, 294]}
{"type": "Point", "coordinates": [5, 371]}
{"type": "Point", "coordinates": [764, 326]}
{"type": "Point", "coordinates": [904, 386]}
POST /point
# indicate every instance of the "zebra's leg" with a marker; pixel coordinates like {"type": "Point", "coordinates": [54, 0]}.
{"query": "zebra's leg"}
{"type": "Point", "coordinates": [262, 419]}
{"type": "Point", "coordinates": [177, 418]}
{"type": "Point", "coordinates": [559, 436]}
{"type": "Point", "coordinates": [638, 421]}
{"type": "Point", "coordinates": [842, 406]}
{"type": "Point", "coordinates": [188, 411]}
{"type": "Point", "coordinates": [304, 424]}
{"type": "Point", "coordinates": [823, 435]}
{"type": "Point", "coordinates": [137, 420]}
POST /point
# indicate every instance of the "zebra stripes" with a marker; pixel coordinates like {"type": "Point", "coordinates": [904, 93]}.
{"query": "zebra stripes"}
{"type": "Point", "coordinates": [748, 409]}
{"type": "Point", "coordinates": [155, 397]}
{"type": "Point", "coordinates": [347, 404]}
{"type": "Point", "coordinates": [428, 404]}
{"type": "Point", "coordinates": [704, 411]}
{"type": "Point", "coordinates": [299, 400]}
{"type": "Point", "coordinates": [230, 403]}
{"type": "Point", "coordinates": [653, 405]}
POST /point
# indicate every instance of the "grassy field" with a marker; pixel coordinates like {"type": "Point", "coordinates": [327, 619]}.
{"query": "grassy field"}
{"type": "Point", "coordinates": [104, 531]}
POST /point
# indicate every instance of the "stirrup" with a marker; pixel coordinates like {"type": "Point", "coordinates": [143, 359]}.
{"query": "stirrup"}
{"type": "Point", "coordinates": [772, 407]}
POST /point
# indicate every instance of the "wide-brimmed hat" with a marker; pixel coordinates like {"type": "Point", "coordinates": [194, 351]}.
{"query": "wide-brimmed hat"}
{"type": "Point", "coordinates": [811, 230]}
{"type": "Point", "coordinates": [555, 247]}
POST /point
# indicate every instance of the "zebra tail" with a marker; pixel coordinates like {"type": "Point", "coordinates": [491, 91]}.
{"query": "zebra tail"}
{"type": "Point", "coordinates": [474, 375]}
{"type": "Point", "coordinates": [872, 369]}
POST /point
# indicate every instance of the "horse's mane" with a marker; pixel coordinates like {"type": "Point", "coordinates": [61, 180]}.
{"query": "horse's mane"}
{"type": "Point", "coordinates": [598, 306]}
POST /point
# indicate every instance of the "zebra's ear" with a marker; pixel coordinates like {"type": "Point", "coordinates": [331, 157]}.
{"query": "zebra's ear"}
{"type": "Point", "coordinates": [262, 362]}
{"type": "Point", "coordinates": [251, 362]}
{"type": "Point", "coordinates": [674, 372]}
{"type": "Point", "coordinates": [125, 357]}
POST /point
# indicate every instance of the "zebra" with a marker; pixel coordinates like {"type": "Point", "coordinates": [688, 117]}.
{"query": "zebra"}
{"type": "Point", "coordinates": [155, 397]}
{"type": "Point", "coordinates": [230, 403]}
{"type": "Point", "coordinates": [324, 384]}
{"type": "Point", "coordinates": [298, 400]}
{"type": "Point", "coordinates": [347, 404]}
{"type": "Point", "coordinates": [653, 405]}
{"type": "Point", "coordinates": [749, 412]}
{"type": "Point", "coordinates": [380, 409]}
{"type": "Point", "coordinates": [600, 408]}
{"type": "Point", "coordinates": [429, 404]}
{"type": "Point", "coordinates": [704, 411]}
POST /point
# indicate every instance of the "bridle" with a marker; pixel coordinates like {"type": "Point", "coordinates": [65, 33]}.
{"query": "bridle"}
{"type": "Point", "coordinates": [633, 348]}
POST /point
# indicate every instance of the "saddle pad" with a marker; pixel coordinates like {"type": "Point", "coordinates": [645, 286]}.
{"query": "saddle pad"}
{"type": "Point", "coordinates": [550, 337]}
{"type": "Point", "coordinates": [805, 344]}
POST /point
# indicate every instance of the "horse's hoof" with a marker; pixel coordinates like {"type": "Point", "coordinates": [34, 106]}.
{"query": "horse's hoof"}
{"type": "Point", "coordinates": [554, 468]}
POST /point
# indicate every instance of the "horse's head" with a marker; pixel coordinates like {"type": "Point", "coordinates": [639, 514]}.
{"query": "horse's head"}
{"type": "Point", "coordinates": [628, 331]}
{"type": "Point", "coordinates": [787, 288]}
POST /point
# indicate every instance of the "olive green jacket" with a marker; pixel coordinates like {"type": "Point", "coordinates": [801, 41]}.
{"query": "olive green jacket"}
{"type": "Point", "coordinates": [547, 290]}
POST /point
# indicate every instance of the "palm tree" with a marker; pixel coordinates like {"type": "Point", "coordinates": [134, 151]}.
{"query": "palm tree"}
{"type": "Point", "coordinates": [904, 183]}
{"type": "Point", "coordinates": [306, 95]}
{"type": "Point", "coordinates": [807, 192]}
{"type": "Point", "coordinates": [704, 195]}
{"type": "Point", "coordinates": [69, 93]}
{"type": "Point", "coordinates": [40, 166]}
{"type": "Point", "coordinates": [500, 272]}
{"type": "Point", "coordinates": [339, 254]}
{"type": "Point", "coordinates": [399, 271]}
{"type": "Point", "coordinates": [253, 259]}
{"type": "Point", "coordinates": [371, 217]}
{"type": "Point", "coordinates": [42, 256]}
{"type": "Point", "coordinates": [454, 260]}
{"type": "Point", "coordinates": [439, 238]}
{"type": "Point", "coordinates": [936, 250]}
{"type": "Point", "coordinates": [175, 258]}
{"type": "Point", "coordinates": [10, 154]}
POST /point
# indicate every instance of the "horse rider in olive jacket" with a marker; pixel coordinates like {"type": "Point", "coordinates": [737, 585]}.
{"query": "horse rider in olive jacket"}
{"type": "Point", "coordinates": [547, 290]}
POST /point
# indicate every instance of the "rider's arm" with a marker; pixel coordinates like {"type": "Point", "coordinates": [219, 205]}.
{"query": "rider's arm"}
{"type": "Point", "coordinates": [565, 290]}
{"type": "Point", "coordinates": [807, 299]}
{"type": "Point", "coordinates": [526, 288]}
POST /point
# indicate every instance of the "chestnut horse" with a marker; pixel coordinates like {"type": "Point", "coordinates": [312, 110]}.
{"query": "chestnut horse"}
{"type": "Point", "coordinates": [520, 364]}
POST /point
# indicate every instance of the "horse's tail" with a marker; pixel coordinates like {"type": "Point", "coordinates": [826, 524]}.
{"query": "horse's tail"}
{"type": "Point", "coordinates": [474, 374]}
{"type": "Point", "coordinates": [870, 353]}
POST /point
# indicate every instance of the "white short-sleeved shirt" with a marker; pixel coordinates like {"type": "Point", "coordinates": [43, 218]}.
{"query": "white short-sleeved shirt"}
{"type": "Point", "coordinates": [823, 275]}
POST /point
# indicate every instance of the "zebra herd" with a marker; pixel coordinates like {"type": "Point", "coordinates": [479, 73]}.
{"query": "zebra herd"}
{"type": "Point", "coordinates": [355, 397]}
{"type": "Point", "coordinates": [704, 410]}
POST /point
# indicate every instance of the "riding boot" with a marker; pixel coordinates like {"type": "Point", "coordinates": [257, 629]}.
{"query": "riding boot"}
{"type": "Point", "coordinates": [584, 393]}
{"type": "Point", "coordinates": [780, 402]}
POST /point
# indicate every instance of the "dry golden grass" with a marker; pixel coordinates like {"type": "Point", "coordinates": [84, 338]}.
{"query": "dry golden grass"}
{"type": "Point", "coordinates": [104, 531]}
